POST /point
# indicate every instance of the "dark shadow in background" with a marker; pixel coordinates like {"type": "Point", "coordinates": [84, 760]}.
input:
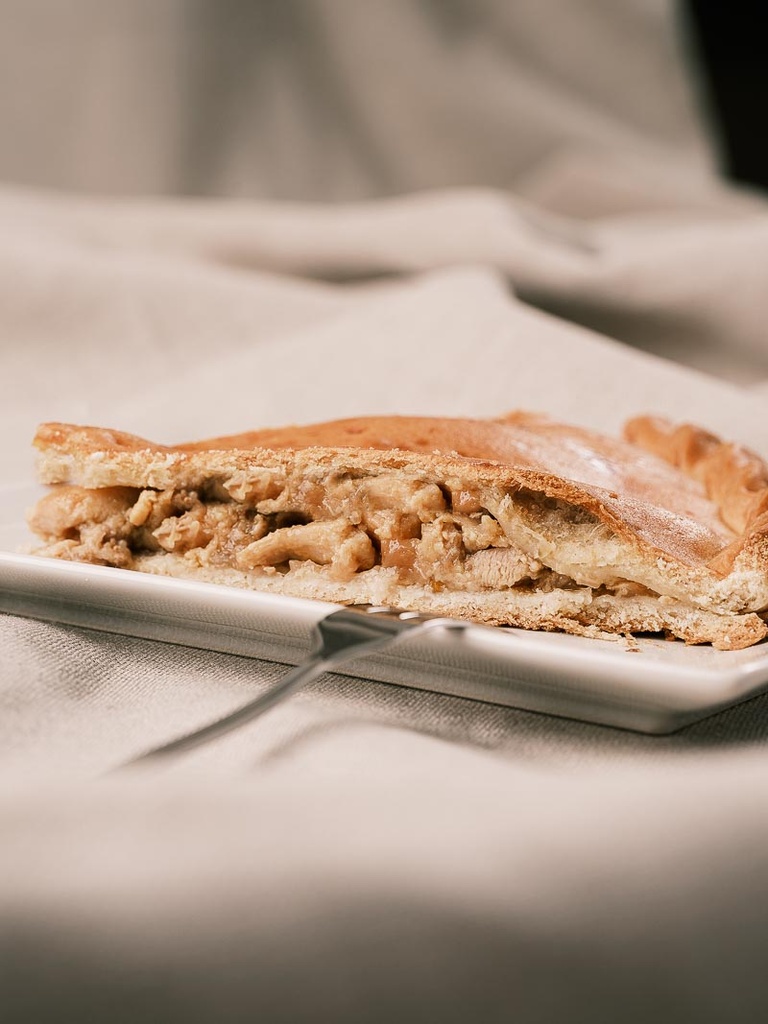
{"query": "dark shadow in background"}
{"type": "Point", "coordinates": [730, 43]}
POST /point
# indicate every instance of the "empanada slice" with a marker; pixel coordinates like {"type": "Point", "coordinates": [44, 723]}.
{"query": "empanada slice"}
{"type": "Point", "coordinates": [517, 521]}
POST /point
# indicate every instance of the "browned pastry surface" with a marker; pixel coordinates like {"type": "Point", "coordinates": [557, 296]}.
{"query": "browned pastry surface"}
{"type": "Point", "coordinates": [734, 478]}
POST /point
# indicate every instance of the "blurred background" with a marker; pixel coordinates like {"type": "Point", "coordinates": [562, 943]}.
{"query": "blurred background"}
{"type": "Point", "coordinates": [338, 100]}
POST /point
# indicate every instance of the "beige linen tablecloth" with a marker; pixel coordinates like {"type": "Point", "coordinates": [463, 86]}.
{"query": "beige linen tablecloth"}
{"type": "Point", "coordinates": [366, 852]}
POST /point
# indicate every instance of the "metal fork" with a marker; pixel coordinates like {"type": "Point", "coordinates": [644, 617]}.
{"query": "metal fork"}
{"type": "Point", "coordinates": [347, 633]}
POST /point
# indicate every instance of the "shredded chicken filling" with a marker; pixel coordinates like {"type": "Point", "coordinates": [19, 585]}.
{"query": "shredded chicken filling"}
{"type": "Point", "coordinates": [443, 536]}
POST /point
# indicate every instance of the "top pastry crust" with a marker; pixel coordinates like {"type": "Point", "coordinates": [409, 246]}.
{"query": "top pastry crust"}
{"type": "Point", "coordinates": [665, 527]}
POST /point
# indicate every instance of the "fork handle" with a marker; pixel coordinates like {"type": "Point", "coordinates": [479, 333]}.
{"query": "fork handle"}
{"type": "Point", "coordinates": [340, 636]}
{"type": "Point", "coordinates": [325, 656]}
{"type": "Point", "coordinates": [292, 681]}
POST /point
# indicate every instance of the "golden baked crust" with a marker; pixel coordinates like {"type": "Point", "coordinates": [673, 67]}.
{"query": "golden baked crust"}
{"type": "Point", "coordinates": [734, 478]}
{"type": "Point", "coordinates": [662, 531]}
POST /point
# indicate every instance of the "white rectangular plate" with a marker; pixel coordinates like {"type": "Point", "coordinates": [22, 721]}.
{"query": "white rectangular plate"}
{"type": "Point", "coordinates": [656, 688]}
